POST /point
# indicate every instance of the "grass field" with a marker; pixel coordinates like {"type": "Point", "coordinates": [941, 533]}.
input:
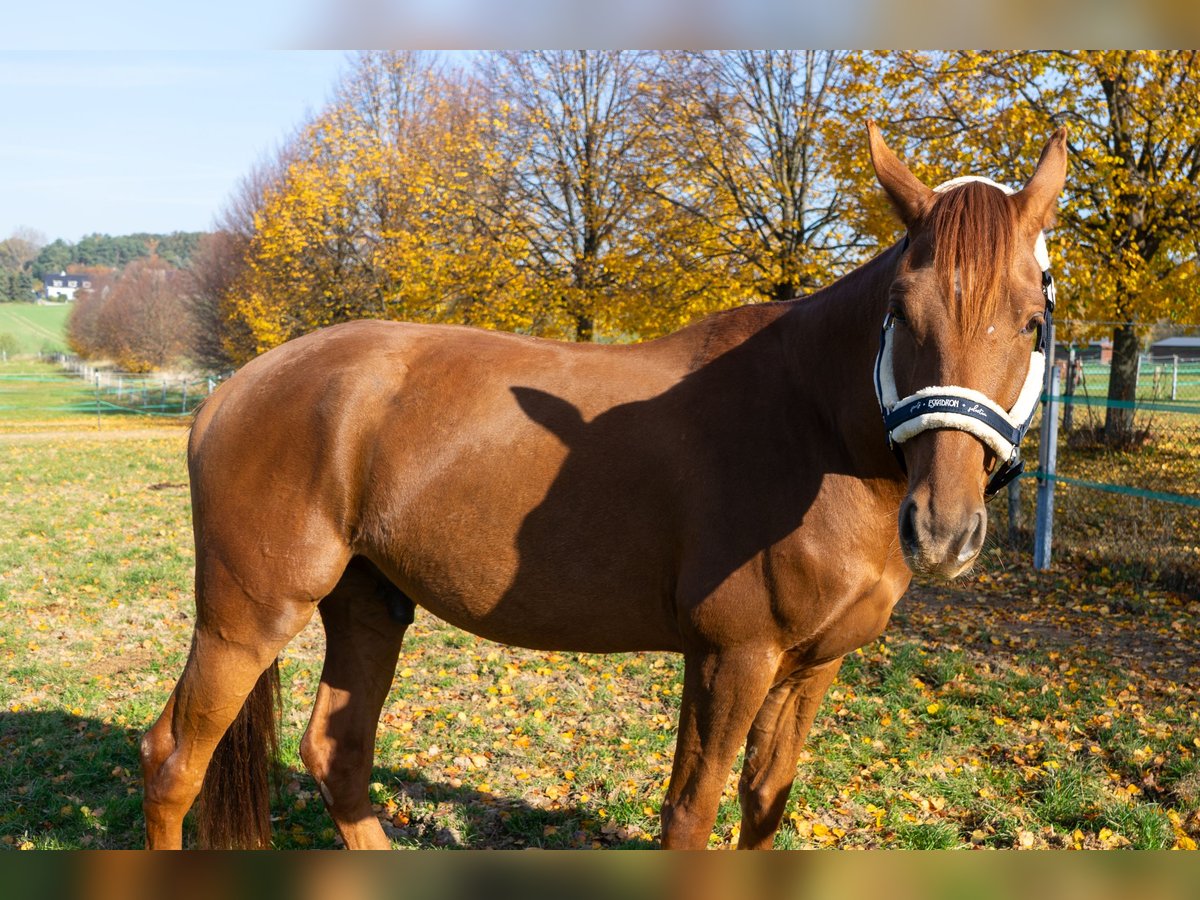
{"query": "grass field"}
{"type": "Point", "coordinates": [36, 328]}
{"type": "Point", "coordinates": [1010, 710]}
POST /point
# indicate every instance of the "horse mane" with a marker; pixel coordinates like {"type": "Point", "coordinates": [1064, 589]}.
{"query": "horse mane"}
{"type": "Point", "coordinates": [972, 227]}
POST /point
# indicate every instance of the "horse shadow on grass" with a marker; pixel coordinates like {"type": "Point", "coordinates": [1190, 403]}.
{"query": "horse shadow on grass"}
{"type": "Point", "coordinates": [68, 781]}
{"type": "Point", "coordinates": [436, 813]}
{"type": "Point", "coordinates": [73, 782]}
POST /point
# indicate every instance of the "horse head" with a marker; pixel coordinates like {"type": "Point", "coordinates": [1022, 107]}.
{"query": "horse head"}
{"type": "Point", "coordinates": [960, 365]}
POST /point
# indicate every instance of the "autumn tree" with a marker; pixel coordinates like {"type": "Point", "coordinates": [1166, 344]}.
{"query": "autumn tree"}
{"type": "Point", "coordinates": [150, 316]}
{"type": "Point", "coordinates": [766, 149]}
{"type": "Point", "coordinates": [20, 249]}
{"type": "Point", "coordinates": [220, 261]}
{"type": "Point", "coordinates": [1126, 250]}
{"type": "Point", "coordinates": [86, 328]}
{"type": "Point", "coordinates": [381, 213]}
{"type": "Point", "coordinates": [575, 136]}
{"type": "Point", "coordinates": [137, 319]}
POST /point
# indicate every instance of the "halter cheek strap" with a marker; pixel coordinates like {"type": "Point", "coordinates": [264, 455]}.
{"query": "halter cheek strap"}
{"type": "Point", "coordinates": [964, 409]}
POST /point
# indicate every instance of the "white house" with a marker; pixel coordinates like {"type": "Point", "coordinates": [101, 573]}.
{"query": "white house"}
{"type": "Point", "coordinates": [64, 285]}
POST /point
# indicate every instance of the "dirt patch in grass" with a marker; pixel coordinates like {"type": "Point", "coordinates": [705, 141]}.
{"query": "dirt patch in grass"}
{"type": "Point", "coordinates": [102, 434]}
{"type": "Point", "coordinates": [1153, 634]}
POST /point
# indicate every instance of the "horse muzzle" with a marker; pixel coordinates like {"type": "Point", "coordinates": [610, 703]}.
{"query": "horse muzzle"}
{"type": "Point", "coordinates": [940, 545]}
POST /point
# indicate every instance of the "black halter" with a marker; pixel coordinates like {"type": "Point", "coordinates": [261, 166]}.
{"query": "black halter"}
{"type": "Point", "coordinates": [962, 409]}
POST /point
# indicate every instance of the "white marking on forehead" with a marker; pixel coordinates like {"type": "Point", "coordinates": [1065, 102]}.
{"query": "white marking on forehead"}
{"type": "Point", "coordinates": [991, 328]}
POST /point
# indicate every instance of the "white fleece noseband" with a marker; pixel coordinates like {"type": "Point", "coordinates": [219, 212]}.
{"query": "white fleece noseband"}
{"type": "Point", "coordinates": [964, 409]}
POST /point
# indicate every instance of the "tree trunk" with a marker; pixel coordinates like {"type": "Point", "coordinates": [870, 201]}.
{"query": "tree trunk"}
{"type": "Point", "coordinates": [1122, 387]}
{"type": "Point", "coordinates": [585, 328]}
{"type": "Point", "coordinates": [783, 291]}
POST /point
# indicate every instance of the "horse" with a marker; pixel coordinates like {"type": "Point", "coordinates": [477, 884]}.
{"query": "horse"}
{"type": "Point", "coordinates": [736, 492]}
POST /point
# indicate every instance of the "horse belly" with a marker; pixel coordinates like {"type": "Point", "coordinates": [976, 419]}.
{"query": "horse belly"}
{"type": "Point", "coordinates": [508, 537]}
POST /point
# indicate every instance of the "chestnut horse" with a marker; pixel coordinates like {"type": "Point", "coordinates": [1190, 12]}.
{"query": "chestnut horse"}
{"type": "Point", "coordinates": [727, 492]}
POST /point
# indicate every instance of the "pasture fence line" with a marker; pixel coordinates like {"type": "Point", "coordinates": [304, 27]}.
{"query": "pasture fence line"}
{"type": "Point", "coordinates": [161, 394]}
{"type": "Point", "coordinates": [1150, 520]}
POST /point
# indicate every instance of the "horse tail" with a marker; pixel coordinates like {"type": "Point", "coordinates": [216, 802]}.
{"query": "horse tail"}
{"type": "Point", "coordinates": [235, 799]}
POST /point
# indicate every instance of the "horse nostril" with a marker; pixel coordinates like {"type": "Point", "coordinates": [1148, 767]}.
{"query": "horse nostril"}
{"type": "Point", "coordinates": [908, 524]}
{"type": "Point", "coordinates": [973, 537]}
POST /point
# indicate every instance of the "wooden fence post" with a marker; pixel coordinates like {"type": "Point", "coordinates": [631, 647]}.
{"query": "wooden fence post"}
{"type": "Point", "coordinates": [1047, 468]}
{"type": "Point", "coordinates": [1069, 392]}
{"type": "Point", "coordinates": [1014, 510]}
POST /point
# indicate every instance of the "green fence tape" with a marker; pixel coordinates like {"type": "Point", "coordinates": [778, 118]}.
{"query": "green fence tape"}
{"type": "Point", "coordinates": [1078, 400]}
{"type": "Point", "coordinates": [141, 411]}
{"type": "Point", "coordinates": [1183, 499]}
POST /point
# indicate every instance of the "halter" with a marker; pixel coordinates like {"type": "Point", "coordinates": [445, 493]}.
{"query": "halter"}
{"type": "Point", "coordinates": [950, 406]}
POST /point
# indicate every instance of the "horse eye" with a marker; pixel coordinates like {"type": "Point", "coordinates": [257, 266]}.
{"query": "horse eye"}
{"type": "Point", "coordinates": [897, 314]}
{"type": "Point", "coordinates": [1033, 325]}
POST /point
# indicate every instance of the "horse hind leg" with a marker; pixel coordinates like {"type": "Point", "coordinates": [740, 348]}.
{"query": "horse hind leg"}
{"type": "Point", "coordinates": [365, 618]}
{"type": "Point", "coordinates": [772, 749]}
{"type": "Point", "coordinates": [228, 663]}
{"type": "Point", "coordinates": [247, 610]}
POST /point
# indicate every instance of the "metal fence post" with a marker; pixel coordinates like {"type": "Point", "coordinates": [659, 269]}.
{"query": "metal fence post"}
{"type": "Point", "coordinates": [1069, 392]}
{"type": "Point", "coordinates": [1174, 376]}
{"type": "Point", "coordinates": [1047, 467]}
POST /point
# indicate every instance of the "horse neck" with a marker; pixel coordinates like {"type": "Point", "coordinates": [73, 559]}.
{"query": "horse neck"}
{"type": "Point", "coordinates": [833, 340]}
{"type": "Point", "coordinates": [841, 322]}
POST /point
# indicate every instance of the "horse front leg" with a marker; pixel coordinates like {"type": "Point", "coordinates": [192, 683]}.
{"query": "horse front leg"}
{"type": "Point", "coordinates": [722, 690]}
{"type": "Point", "coordinates": [774, 746]}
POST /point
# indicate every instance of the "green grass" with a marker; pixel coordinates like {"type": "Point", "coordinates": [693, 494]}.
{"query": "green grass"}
{"type": "Point", "coordinates": [35, 328]}
{"type": "Point", "coordinates": [32, 391]}
{"type": "Point", "coordinates": [1020, 710]}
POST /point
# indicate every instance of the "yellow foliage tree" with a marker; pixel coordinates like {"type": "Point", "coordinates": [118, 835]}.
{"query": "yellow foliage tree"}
{"type": "Point", "coordinates": [381, 213]}
{"type": "Point", "coordinates": [768, 150]}
{"type": "Point", "coordinates": [574, 136]}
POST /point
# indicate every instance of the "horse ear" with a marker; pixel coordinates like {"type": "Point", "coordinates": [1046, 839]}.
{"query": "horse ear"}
{"type": "Point", "coordinates": [553, 413]}
{"type": "Point", "coordinates": [1038, 199]}
{"type": "Point", "coordinates": [908, 194]}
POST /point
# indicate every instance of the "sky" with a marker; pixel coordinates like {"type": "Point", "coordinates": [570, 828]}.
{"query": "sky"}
{"type": "Point", "coordinates": [153, 132]}
{"type": "Point", "coordinates": [126, 141]}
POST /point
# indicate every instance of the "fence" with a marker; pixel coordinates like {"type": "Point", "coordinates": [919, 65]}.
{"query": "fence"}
{"type": "Point", "coordinates": [1133, 510]}
{"type": "Point", "coordinates": [150, 395]}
